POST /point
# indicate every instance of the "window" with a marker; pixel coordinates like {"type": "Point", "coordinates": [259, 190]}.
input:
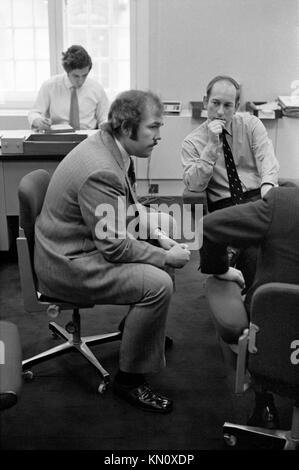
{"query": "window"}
{"type": "Point", "coordinates": [33, 33]}
{"type": "Point", "coordinates": [24, 48]}
{"type": "Point", "coordinates": [103, 28]}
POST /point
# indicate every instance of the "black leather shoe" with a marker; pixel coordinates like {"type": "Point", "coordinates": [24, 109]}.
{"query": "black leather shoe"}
{"type": "Point", "coordinates": [144, 397]}
{"type": "Point", "coordinates": [265, 417]}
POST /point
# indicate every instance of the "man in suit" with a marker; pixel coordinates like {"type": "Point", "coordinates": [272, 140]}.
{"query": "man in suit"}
{"type": "Point", "coordinates": [230, 156]}
{"type": "Point", "coordinates": [89, 247]}
{"type": "Point", "coordinates": [271, 225]}
{"type": "Point", "coordinates": [71, 98]}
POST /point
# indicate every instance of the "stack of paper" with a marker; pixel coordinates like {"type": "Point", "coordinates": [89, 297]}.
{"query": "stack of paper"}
{"type": "Point", "coordinates": [60, 128]}
{"type": "Point", "coordinates": [289, 105]}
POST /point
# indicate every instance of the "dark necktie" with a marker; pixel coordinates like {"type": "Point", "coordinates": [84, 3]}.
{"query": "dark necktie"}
{"type": "Point", "coordinates": [131, 173]}
{"type": "Point", "coordinates": [234, 182]}
{"type": "Point", "coordinates": [74, 109]}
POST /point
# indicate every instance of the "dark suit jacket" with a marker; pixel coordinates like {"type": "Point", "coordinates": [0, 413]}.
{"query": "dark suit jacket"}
{"type": "Point", "coordinates": [71, 261]}
{"type": "Point", "coordinates": [271, 224]}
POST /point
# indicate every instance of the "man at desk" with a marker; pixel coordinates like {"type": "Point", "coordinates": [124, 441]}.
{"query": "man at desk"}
{"type": "Point", "coordinates": [71, 98]}
{"type": "Point", "coordinates": [85, 250]}
{"type": "Point", "coordinates": [230, 155]}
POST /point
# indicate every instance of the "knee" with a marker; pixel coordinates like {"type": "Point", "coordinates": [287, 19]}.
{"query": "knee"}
{"type": "Point", "coordinates": [157, 283]}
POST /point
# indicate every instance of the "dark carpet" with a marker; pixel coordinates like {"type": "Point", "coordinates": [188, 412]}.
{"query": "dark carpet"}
{"type": "Point", "coordinates": [62, 410]}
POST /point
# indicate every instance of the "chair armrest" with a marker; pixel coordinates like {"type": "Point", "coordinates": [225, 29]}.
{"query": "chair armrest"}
{"type": "Point", "coordinates": [196, 197]}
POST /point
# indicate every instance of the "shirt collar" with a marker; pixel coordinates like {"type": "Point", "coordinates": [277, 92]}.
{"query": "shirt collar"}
{"type": "Point", "coordinates": [229, 128]}
{"type": "Point", "coordinates": [124, 154]}
{"type": "Point", "coordinates": [69, 84]}
{"type": "Point", "coordinates": [67, 81]}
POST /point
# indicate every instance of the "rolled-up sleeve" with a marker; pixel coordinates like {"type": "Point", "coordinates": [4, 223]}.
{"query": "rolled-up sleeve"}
{"type": "Point", "coordinates": [198, 160]}
{"type": "Point", "coordinates": [41, 105]}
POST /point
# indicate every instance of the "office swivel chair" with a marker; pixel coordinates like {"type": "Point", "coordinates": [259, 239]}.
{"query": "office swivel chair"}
{"type": "Point", "coordinates": [270, 351]}
{"type": "Point", "coordinates": [31, 193]}
{"type": "Point", "coordinates": [10, 364]}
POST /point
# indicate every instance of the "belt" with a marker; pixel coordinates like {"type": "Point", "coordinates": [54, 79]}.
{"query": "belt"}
{"type": "Point", "coordinates": [253, 194]}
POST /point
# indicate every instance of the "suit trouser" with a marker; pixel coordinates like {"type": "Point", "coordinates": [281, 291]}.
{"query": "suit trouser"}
{"type": "Point", "coordinates": [142, 348]}
{"type": "Point", "coordinates": [244, 259]}
{"type": "Point", "coordinates": [143, 340]}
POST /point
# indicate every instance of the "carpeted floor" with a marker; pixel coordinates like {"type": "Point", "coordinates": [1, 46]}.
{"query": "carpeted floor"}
{"type": "Point", "coordinates": [62, 410]}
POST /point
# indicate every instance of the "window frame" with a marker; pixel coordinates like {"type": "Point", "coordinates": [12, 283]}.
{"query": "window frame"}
{"type": "Point", "coordinates": [139, 46]}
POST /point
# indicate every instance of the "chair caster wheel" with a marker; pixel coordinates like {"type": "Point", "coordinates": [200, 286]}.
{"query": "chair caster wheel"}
{"type": "Point", "coordinates": [230, 440]}
{"type": "Point", "coordinates": [28, 375]}
{"type": "Point", "coordinates": [102, 388]}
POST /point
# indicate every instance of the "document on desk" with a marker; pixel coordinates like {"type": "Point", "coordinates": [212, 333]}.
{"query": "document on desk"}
{"type": "Point", "coordinates": [289, 101]}
{"type": "Point", "coordinates": [59, 128]}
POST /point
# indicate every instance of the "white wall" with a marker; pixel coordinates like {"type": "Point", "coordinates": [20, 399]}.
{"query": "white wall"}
{"type": "Point", "coordinates": [255, 41]}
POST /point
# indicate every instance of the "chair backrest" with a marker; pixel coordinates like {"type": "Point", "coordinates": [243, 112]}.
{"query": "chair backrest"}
{"type": "Point", "coordinates": [275, 363]}
{"type": "Point", "coordinates": [31, 193]}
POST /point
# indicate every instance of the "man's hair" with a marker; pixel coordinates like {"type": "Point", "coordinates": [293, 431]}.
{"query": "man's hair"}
{"type": "Point", "coordinates": [224, 78]}
{"type": "Point", "coordinates": [129, 108]}
{"type": "Point", "coordinates": [76, 57]}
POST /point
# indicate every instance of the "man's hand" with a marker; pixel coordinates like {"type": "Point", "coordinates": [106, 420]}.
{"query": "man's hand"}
{"type": "Point", "coordinates": [215, 128]}
{"type": "Point", "coordinates": [42, 123]}
{"type": "Point", "coordinates": [166, 243]}
{"type": "Point", "coordinates": [232, 274]}
{"type": "Point", "coordinates": [177, 256]}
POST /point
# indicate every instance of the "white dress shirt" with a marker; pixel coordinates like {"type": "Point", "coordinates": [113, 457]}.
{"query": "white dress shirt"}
{"type": "Point", "coordinates": [204, 164]}
{"type": "Point", "coordinates": [54, 97]}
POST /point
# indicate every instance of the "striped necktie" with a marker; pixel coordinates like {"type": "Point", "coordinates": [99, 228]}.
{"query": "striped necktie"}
{"type": "Point", "coordinates": [234, 182]}
{"type": "Point", "coordinates": [74, 109]}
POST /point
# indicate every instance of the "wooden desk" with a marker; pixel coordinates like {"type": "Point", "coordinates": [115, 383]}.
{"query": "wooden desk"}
{"type": "Point", "coordinates": [14, 166]}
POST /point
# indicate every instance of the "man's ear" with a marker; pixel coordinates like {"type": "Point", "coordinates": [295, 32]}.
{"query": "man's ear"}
{"type": "Point", "coordinates": [237, 105]}
{"type": "Point", "coordinates": [126, 129]}
{"type": "Point", "coordinates": [205, 102]}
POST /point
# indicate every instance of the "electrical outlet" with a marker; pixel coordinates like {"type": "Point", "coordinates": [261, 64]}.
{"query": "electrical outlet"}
{"type": "Point", "coordinates": [154, 189]}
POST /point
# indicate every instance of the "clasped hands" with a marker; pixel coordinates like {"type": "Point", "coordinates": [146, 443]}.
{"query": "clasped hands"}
{"type": "Point", "coordinates": [177, 254]}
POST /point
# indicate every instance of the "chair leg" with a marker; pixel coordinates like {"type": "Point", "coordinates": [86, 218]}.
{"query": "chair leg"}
{"type": "Point", "coordinates": [74, 340]}
{"type": "Point", "coordinates": [46, 355]}
{"type": "Point", "coordinates": [286, 440]}
{"type": "Point", "coordinates": [60, 331]}
{"type": "Point", "coordinates": [84, 349]}
{"type": "Point", "coordinates": [105, 338]}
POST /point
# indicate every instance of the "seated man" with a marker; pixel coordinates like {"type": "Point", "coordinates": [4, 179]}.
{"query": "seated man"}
{"type": "Point", "coordinates": [271, 225]}
{"type": "Point", "coordinates": [70, 98]}
{"type": "Point", "coordinates": [88, 244]}
{"type": "Point", "coordinates": [230, 156]}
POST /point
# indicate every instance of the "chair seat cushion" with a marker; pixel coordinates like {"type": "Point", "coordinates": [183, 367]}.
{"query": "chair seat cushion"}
{"type": "Point", "coordinates": [63, 303]}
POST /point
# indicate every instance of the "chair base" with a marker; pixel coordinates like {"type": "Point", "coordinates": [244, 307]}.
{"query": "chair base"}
{"type": "Point", "coordinates": [234, 434]}
{"type": "Point", "coordinates": [78, 343]}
